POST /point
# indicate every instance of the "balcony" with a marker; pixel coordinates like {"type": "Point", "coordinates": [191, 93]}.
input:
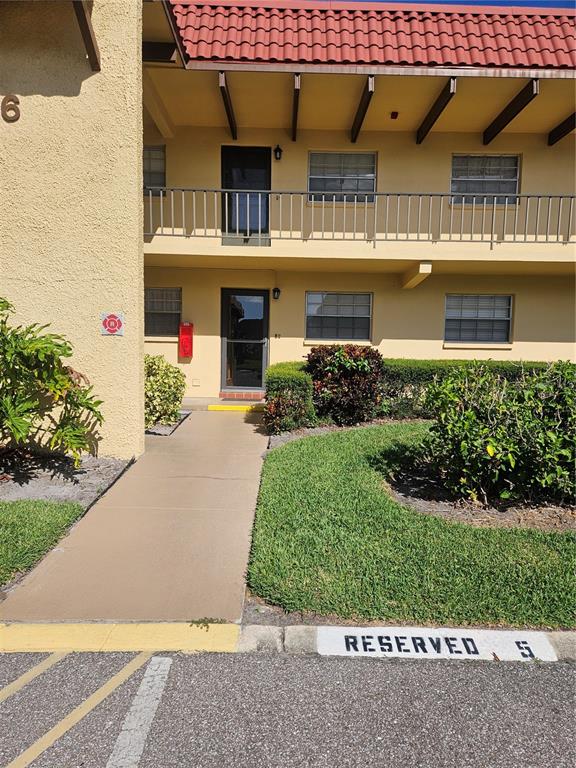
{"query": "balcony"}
{"type": "Point", "coordinates": [258, 218]}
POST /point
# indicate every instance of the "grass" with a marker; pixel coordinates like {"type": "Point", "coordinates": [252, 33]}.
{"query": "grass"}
{"type": "Point", "coordinates": [329, 539]}
{"type": "Point", "coordinates": [28, 529]}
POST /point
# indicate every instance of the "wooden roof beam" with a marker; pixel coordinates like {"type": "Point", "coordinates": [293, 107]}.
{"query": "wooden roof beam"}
{"type": "Point", "coordinates": [175, 31]}
{"type": "Point", "coordinates": [442, 101]}
{"type": "Point", "coordinates": [365, 100]}
{"type": "Point", "coordinates": [296, 104]}
{"type": "Point", "coordinates": [511, 110]}
{"type": "Point", "coordinates": [87, 32]}
{"type": "Point", "coordinates": [158, 53]}
{"type": "Point", "coordinates": [227, 99]}
{"type": "Point", "coordinates": [561, 130]}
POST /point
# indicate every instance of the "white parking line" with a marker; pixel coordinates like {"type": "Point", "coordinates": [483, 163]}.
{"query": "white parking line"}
{"type": "Point", "coordinates": [132, 739]}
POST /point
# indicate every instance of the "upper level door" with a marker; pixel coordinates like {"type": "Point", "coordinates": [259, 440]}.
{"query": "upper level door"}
{"type": "Point", "coordinates": [246, 173]}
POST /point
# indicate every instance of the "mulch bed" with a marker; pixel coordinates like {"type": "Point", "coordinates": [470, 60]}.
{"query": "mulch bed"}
{"type": "Point", "coordinates": [428, 496]}
{"type": "Point", "coordinates": [45, 477]}
{"type": "Point", "coordinates": [164, 430]}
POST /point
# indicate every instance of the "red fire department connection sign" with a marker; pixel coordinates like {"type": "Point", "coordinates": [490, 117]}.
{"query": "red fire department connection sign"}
{"type": "Point", "coordinates": [112, 324]}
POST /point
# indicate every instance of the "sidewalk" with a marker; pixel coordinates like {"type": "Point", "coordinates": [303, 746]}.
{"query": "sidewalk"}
{"type": "Point", "coordinates": [168, 542]}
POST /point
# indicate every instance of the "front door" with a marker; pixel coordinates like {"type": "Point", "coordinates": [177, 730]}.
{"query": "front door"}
{"type": "Point", "coordinates": [244, 338]}
{"type": "Point", "coordinates": [245, 208]}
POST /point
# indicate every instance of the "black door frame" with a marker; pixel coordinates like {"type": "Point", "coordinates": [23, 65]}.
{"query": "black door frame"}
{"type": "Point", "coordinates": [224, 294]}
{"type": "Point", "coordinates": [230, 232]}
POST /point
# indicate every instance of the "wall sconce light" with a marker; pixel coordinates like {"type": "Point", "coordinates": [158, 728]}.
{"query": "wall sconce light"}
{"type": "Point", "coordinates": [276, 293]}
{"type": "Point", "coordinates": [278, 152]}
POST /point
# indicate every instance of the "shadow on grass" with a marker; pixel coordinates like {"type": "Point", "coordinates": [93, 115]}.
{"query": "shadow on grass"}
{"type": "Point", "coordinates": [405, 468]}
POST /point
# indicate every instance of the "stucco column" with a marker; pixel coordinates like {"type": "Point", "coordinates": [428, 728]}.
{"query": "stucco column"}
{"type": "Point", "coordinates": [71, 194]}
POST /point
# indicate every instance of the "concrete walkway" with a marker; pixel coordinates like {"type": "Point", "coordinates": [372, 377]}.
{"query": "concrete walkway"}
{"type": "Point", "coordinates": [168, 542]}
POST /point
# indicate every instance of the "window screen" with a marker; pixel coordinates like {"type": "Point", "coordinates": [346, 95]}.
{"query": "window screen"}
{"type": "Point", "coordinates": [162, 311]}
{"type": "Point", "coordinates": [477, 318]}
{"type": "Point", "coordinates": [338, 315]}
{"type": "Point", "coordinates": [155, 166]}
{"type": "Point", "coordinates": [478, 178]}
{"type": "Point", "coordinates": [342, 176]}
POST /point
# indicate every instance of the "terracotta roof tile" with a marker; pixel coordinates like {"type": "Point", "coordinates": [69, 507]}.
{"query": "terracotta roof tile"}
{"type": "Point", "coordinates": [299, 32]}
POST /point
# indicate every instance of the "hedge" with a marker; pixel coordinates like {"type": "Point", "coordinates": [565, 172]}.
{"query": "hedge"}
{"type": "Point", "coordinates": [347, 382]}
{"type": "Point", "coordinates": [496, 439]}
{"type": "Point", "coordinates": [164, 386]}
{"type": "Point", "coordinates": [404, 382]}
{"type": "Point", "coordinates": [290, 390]}
{"type": "Point", "coordinates": [289, 403]}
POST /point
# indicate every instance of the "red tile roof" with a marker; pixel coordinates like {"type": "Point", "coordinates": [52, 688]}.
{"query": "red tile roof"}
{"type": "Point", "coordinates": [291, 32]}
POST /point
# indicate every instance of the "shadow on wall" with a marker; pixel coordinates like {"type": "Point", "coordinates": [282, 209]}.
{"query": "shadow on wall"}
{"type": "Point", "coordinates": [41, 49]}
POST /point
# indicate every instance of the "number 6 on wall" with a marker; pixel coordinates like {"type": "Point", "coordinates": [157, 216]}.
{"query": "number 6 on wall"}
{"type": "Point", "coordinates": [9, 108]}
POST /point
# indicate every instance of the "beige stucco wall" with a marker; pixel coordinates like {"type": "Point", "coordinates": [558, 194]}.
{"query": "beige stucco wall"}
{"type": "Point", "coordinates": [193, 157]}
{"type": "Point", "coordinates": [70, 198]}
{"type": "Point", "coordinates": [406, 323]}
{"type": "Point", "coordinates": [193, 160]}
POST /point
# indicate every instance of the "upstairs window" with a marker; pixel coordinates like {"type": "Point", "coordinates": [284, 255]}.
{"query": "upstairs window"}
{"type": "Point", "coordinates": [155, 166]}
{"type": "Point", "coordinates": [479, 318]}
{"type": "Point", "coordinates": [342, 177]}
{"type": "Point", "coordinates": [338, 316]}
{"type": "Point", "coordinates": [162, 311]}
{"type": "Point", "coordinates": [478, 178]}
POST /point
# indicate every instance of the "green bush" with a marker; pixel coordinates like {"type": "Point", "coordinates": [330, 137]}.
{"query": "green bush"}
{"type": "Point", "coordinates": [404, 382]}
{"type": "Point", "coordinates": [163, 391]}
{"type": "Point", "coordinates": [347, 382]}
{"type": "Point", "coordinates": [43, 402]}
{"type": "Point", "coordinates": [288, 398]}
{"type": "Point", "coordinates": [499, 438]}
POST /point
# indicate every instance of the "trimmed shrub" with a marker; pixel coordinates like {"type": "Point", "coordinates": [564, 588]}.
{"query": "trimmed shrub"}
{"type": "Point", "coordinates": [43, 402]}
{"type": "Point", "coordinates": [163, 391]}
{"type": "Point", "coordinates": [347, 382]}
{"type": "Point", "coordinates": [405, 382]}
{"type": "Point", "coordinates": [496, 438]}
{"type": "Point", "coordinates": [288, 398]}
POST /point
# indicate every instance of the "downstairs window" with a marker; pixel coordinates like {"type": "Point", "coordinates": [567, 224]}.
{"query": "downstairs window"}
{"type": "Point", "coordinates": [162, 311]}
{"type": "Point", "coordinates": [338, 316]}
{"type": "Point", "coordinates": [478, 318]}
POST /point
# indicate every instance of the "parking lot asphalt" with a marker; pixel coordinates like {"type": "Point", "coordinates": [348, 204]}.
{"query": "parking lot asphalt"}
{"type": "Point", "coordinates": [273, 710]}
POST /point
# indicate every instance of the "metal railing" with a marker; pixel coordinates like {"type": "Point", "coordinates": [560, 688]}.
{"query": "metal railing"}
{"type": "Point", "coordinates": [258, 217]}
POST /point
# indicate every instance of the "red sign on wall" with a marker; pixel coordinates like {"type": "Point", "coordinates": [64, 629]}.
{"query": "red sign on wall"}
{"type": "Point", "coordinates": [112, 324]}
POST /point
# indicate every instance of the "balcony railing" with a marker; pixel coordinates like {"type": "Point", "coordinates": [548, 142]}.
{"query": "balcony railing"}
{"type": "Point", "coordinates": [258, 217]}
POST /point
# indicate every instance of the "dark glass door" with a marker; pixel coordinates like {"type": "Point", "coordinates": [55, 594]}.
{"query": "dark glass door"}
{"type": "Point", "coordinates": [245, 209]}
{"type": "Point", "coordinates": [244, 338]}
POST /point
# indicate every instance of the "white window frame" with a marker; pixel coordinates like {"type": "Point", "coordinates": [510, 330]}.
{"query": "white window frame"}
{"type": "Point", "coordinates": [478, 318]}
{"type": "Point", "coordinates": [347, 197]}
{"type": "Point", "coordinates": [478, 198]}
{"type": "Point", "coordinates": [147, 311]}
{"type": "Point", "coordinates": [339, 338]}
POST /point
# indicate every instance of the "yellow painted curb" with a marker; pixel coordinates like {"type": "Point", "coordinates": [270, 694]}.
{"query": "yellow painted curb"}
{"type": "Point", "coordinates": [257, 407]}
{"type": "Point", "coordinates": [84, 638]}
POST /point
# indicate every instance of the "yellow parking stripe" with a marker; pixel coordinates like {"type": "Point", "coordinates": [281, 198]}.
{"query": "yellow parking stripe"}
{"type": "Point", "coordinates": [24, 679]}
{"type": "Point", "coordinates": [149, 636]}
{"type": "Point", "coordinates": [45, 742]}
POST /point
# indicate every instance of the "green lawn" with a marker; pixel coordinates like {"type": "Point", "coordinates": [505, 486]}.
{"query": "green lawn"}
{"type": "Point", "coordinates": [28, 529]}
{"type": "Point", "coordinates": [329, 539]}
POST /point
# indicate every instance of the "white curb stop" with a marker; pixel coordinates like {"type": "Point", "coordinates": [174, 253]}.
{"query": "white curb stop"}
{"type": "Point", "coordinates": [446, 643]}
